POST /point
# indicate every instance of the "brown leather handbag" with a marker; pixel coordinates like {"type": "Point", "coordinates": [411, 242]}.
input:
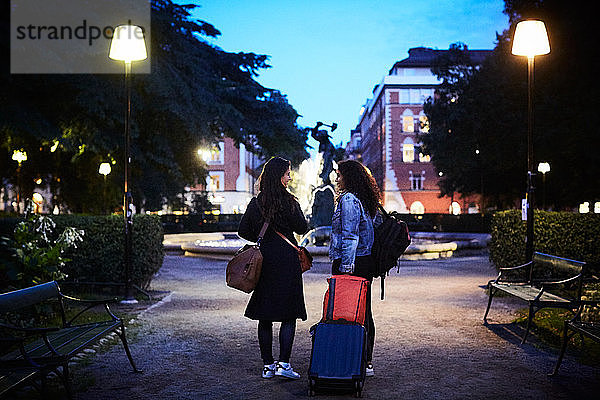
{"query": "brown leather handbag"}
{"type": "Point", "coordinates": [303, 254]}
{"type": "Point", "coordinates": [243, 270]}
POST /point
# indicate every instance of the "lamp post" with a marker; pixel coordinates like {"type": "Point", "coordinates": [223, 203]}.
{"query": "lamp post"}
{"type": "Point", "coordinates": [19, 156]}
{"type": "Point", "coordinates": [530, 40]}
{"type": "Point", "coordinates": [544, 167]}
{"type": "Point", "coordinates": [128, 45]}
{"type": "Point", "coordinates": [104, 169]}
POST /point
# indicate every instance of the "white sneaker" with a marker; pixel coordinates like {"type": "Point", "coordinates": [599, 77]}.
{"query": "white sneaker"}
{"type": "Point", "coordinates": [370, 371]}
{"type": "Point", "coordinates": [285, 370]}
{"type": "Point", "coordinates": [269, 370]}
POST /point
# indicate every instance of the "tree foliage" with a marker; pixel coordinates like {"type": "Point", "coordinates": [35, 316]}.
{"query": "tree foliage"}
{"type": "Point", "coordinates": [196, 94]}
{"type": "Point", "coordinates": [485, 109]}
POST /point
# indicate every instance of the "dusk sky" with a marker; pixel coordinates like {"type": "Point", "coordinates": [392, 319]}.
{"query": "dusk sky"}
{"type": "Point", "coordinates": [327, 55]}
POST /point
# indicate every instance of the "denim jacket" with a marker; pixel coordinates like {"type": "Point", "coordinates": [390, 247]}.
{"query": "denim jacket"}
{"type": "Point", "coordinates": [351, 232]}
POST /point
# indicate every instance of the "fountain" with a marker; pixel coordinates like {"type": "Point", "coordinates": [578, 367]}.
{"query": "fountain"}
{"type": "Point", "coordinates": [312, 186]}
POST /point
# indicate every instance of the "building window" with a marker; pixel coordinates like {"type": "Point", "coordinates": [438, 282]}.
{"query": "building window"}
{"type": "Point", "coordinates": [393, 97]}
{"type": "Point", "coordinates": [417, 208]}
{"type": "Point", "coordinates": [416, 180]}
{"type": "Point", "coordinates": [215, 181]}
{"type": "Point", "coordinates": [422, 157]}
{"type": "Point", "coordinates": [408, 151]}
{"type": "Point", "coordinates": [408, 123]}
{"type": "Point", "coordinates": [423, 124]}
{"type": "Point", "coordinates": [454, 208]}
{"type": "Point", "coordinates": [404, 96]}
{"type": "Point", "coordinates": [216, 154]}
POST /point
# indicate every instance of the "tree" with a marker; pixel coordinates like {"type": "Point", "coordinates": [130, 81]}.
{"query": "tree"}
{"type": "Point", "coordinates": [195, 95]}
{"type": "Point", "coordinates": [485, 109]}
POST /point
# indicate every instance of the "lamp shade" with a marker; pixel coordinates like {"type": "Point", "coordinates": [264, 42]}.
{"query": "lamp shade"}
{"type": "Point", "coordinates": [544, 167]}
{"type": "Point", "coordinates": [128, 44]}
{"type": "Point", "coordinates": [104, 168]}
{"type": "Point", "coordinates": [530, 39]}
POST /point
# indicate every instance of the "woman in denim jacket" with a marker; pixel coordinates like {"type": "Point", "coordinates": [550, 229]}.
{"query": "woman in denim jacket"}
{"type": "Point", "coordinates": [352, 232]}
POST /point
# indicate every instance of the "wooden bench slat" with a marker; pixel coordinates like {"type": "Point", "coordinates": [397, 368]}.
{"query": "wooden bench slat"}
{"type": "Point", "coordinates": [528, 293]}
{"type": "Point", "coordinates": [68, 340]}
{"type": "Point", "coordinates": [15, 378]}
{"type": "Point", "coordinates": [591, 329]}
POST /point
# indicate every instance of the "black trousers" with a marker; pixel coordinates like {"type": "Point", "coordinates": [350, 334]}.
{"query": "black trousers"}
{"type": "Point", "coordinates": [361, 268]}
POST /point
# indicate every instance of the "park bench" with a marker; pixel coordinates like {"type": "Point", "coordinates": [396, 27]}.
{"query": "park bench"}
{"type": "Point", "coordinates": [545, 282]}
{"type": "Point", "coordinates": [30, 354]}
{"type": "Point", "coordinates": [586, 328]}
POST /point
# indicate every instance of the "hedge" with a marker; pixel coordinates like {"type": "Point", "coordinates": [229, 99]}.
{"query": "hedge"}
{"type": "Point", "coordinates": [100, 257]}
{"type": "Point", "coordinates": [563, 234]}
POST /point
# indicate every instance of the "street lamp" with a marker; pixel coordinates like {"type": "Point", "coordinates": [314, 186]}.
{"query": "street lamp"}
{"type": "Point", "coordinates": [104, 169]}
{"type": "Point", "coordinates": [544, 167]}
{"type": "Point", "coordinates": [19, 156]}
{"type": "Point", "coordinates": [530, 40]}
{"type": "Point", "coordinates": [128, 45]}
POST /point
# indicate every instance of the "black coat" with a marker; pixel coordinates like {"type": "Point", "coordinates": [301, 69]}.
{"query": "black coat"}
{"type": "Point", "coordinates": [279, 294]}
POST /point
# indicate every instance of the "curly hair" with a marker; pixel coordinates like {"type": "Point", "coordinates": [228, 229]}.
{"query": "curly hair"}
{"type": "Point", "coordinates": [274, 199]}
{"type": "Point", "coordinates": [358, 180]}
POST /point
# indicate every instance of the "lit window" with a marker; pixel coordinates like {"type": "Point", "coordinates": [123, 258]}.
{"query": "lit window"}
{"type": "Point", "coordinates": [417, 208]}
{"type": "Point", "coordinates": [597, 207]}
{"type": "Point", "coordinates": [408, 124]}
{"type": "Point", "coordinates": [216, 154]}
{"type": "Point", "coordinates": [424, 158]}
{"type": "Point", "coordinates": [215, 181]}
{"type": "Point", "coordinates": [454, 208]}
{"type": "Point", "coordinates": [423, 124]}
{"type": "Point", "coordinates": [408, 151]}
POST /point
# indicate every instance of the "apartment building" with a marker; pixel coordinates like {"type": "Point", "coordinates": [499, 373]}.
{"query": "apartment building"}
{"type": "Point", "coordinates": [386, 138]}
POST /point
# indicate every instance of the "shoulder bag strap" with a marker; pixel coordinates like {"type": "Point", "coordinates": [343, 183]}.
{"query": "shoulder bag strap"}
{"type": "Point", "coordinates": [262, 232]}
{"type": "Point", "coordinates": [288, 240]}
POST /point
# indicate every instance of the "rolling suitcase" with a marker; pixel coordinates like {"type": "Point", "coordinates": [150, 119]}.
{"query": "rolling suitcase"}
{"type": "Point", "coordinates": [338, 357]}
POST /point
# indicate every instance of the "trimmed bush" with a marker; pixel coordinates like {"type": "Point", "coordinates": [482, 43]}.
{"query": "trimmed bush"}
{"type": "Point", "coordinates": [100, 257]}
{"type": "Point", "coordinates": [563, 234]}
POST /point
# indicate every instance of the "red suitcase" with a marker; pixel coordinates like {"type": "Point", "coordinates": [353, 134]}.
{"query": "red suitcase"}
{"type": "Point", "coordinates": [346, 299]}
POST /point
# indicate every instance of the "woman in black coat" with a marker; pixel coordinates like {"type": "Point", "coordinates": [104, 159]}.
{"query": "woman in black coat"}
{"type": "Point", "coordinates": [279, 294]}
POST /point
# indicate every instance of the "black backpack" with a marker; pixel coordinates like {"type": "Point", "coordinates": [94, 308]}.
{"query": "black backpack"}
{"type": "Point", "coordinates": [391, 240]}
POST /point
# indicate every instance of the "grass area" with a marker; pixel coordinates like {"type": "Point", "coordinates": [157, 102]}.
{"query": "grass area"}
{"type": "Point", "coordinates": [548, 325]}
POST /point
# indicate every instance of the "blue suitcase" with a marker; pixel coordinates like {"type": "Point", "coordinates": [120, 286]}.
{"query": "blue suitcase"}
{"type": "Point", "coordinates": [338, 358]}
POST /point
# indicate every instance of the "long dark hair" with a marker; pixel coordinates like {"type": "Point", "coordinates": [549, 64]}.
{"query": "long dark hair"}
{"type": "Point", "coordinates": [274, 199]}
{"type": "Point", "coordinates": [358, 180]}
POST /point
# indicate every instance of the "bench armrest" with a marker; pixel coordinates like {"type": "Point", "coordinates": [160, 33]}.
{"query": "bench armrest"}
{"type": "Point", "coordinates": [89, 304]}
{"type": "Point", "coordinates": [515, 268]}
{"type": "Point", "coordinates": [507, 269]}
{"type": "Point", "coordinates": [89, 301]}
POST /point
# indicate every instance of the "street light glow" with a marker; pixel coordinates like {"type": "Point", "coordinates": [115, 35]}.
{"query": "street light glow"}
{"type": "Point", "coordinates": [530, 39]}
{"type": "Point", "coordinates": [128, 44]}
{"type": "Point", "coordinates": [19, 156]}
{"type": "Point", "coordinates": [104, 168]}
{"type": "Point", "coordinates": [543, 167]}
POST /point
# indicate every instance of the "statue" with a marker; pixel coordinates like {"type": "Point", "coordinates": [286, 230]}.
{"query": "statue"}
{"type": "Point", "coordinates": [326, 148]}
{"type": "Point", "coordinates": [323, 196]}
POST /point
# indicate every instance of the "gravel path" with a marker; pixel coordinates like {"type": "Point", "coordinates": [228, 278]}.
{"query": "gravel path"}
{"type": "Point", "coordinates": [430, 342]}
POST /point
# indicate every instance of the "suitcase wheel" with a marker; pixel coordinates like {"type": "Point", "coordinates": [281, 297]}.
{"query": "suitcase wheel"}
{"type": "Point", "coordinates": [311, 387]}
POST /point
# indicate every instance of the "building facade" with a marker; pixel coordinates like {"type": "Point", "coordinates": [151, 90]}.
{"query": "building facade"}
{"type": "Point", "coordinates": [386, 138]}
{"type": "Point", "coordinates": [230, 182]}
